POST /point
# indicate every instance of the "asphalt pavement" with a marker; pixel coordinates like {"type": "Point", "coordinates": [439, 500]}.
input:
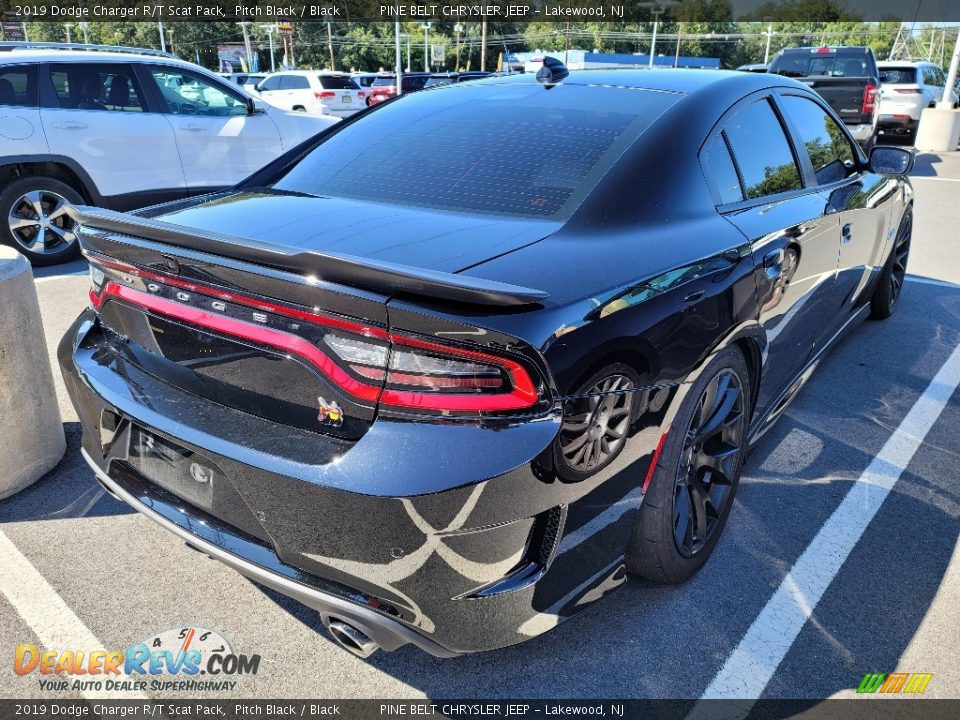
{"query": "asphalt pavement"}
{"type": "Point", "coordinates": [793, 604]}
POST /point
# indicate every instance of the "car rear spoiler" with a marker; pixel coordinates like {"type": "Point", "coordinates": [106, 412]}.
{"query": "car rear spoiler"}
{"type": "Point", "coordinates": [349, 270]}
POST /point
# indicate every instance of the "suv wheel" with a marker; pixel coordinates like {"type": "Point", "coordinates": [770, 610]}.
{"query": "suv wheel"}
{"type": "Point", "coordinates": [33, 211]}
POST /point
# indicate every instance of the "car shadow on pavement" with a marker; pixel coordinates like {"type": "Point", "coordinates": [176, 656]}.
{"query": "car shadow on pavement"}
{"type": "Point", "coordinates": [669, 642]}
{"type": "Point", "coordinates": [70, 490]}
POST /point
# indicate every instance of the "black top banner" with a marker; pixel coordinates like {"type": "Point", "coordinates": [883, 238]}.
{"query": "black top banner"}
{"type": "Point", "coordinates": [566, 11]}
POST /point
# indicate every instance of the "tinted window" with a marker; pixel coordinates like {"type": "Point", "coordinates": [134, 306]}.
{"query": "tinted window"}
{"type": "Point", "coordinates": [79, 86]}
{"type": "Point", "coordinates": [762, 151]}
{"type": "Point", "coordinates": [434, 81]}
{"type": "Point", "coordinates": [384, 81]}
{"type": "Point", "coordinates": [410, 84]}
{"type": "Point", "coordinates": [271, 83]}
{"type": "Point", "coordinates": [898, 76]}
{"type": "Point", "coordinates": [337, 82]}
{"type": "Point", "coordinates": [189, 94]}
{"type": "Point", "coordinates": [503, 149]}
{"type": "Point", "coordinates": [294, 82]}
{"type": "Point", "coordinates": [364, 80]}
{"type": "Point", "coordinates": [18, 86]}
{"type": "Point", "coordinates": [839, 63]}
{"type": "Point", "coordinates": [720, 166]}
{"type": "Point", "coordinates": [830, 151]}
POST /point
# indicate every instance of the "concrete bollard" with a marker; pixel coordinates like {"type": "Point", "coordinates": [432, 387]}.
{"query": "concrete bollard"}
{"type": "Point", "coordinates": [31, 433]}
{"type": "Point", "coordinates": [939, 129]}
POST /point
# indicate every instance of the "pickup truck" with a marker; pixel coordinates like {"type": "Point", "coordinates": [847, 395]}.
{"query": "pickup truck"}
{"type": "Point", "coordinates": [846, 77]}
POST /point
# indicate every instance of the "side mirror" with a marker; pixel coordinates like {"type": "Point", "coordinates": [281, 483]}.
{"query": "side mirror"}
{"type": "Point", "coordinates": [891, 160]}
{"type": "Point", "coordinates": [254, 106]}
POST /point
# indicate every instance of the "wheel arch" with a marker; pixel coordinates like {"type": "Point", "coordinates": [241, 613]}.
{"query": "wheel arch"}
{"type": "Point", "coordinates": [56, 166]}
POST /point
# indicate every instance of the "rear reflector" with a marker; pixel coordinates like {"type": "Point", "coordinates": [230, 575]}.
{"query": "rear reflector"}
{"type": "Point", "coordinates": [368, 363]}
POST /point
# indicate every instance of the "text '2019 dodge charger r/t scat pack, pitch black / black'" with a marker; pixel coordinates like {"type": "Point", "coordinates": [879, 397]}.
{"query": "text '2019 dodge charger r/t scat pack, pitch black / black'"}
{"type": "Point", "coordinates": [458, 367]}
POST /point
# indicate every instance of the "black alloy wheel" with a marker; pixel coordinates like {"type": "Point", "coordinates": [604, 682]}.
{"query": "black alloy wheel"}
{"type": "Point", "coordinates": [695, 479]}
{"type": "Point", "coordinates": [890, 282]}
{"type": "Point", "coordinates": [711, 454]}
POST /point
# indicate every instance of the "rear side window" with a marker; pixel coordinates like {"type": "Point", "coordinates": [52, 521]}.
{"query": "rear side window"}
{"type": "Point", "coordinates": [271, 83]}
{"type": "Point", "coordinates": [337, 82]}
{"type": "Point", "coordinates": [762, 152]}
{"type": "Point", "coordinates": [898, 76]}
{"type": "Point", "coordinates": [79, 86]}
{"type": "Point", "coordinates": [294, 82]}
{"type": "Point", "coordinates": [18, 86]}
{"type": "Point", "coordinates": [933, 76]}
{"type": "Point", "coordinates": [516, 150]}
{"type": "Point", "coordinates": [720, 166]}
{"type": "Point", "coordinates": [830, 152]}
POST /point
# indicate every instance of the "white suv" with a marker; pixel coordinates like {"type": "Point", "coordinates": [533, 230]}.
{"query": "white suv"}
{"type": "Point", "coordinates": [907, 88]}
{"type": "Point", "coordinates": [121, 128]}
{"type": "Point", "coordinates": [313, 91]}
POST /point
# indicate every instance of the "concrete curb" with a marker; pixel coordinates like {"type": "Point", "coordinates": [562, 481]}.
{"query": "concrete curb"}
{"type": "Point", "coordinates": [31, 432]}
{"type": "Point", "coordinates": [939, 130]}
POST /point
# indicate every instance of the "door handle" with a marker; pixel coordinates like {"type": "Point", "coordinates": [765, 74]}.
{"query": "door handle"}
{"type": "Point", "coordinates": [69, 125]}
{"type": "Point", "coordinates": [847, 232]}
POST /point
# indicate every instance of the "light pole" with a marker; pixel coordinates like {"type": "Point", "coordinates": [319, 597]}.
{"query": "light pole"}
{"type": "Point", "coordinates": [69, 37]}
{"type": "Point", "coordinates": [766, 54]}
{"type": "Point", "coordinates": [426, 49]}
{"type": "Point", "coordinates": [86, 36]}
{"type": "Point", "coordinates": [163, 40]}
{"type": "Point", "coordinates": [245, 26]}
{"type": "Point", "coordinates": [396, 46]}
{"type": "Point", "coordinates": [270, 28]}
{"type": "Point", "coordinates": [457, 29]}
{"type": "Point", "coordinates": [945, 102]}
{"type": "Point", "coordinates": [656, 9]}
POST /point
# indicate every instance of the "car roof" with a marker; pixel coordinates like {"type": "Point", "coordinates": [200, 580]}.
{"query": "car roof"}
{"type": "Point", "coordinates": [904, 63]}
{"type": "Point", "coordinates": [681, 81]}
{"type": "Point", "coordinates": [86, 56]}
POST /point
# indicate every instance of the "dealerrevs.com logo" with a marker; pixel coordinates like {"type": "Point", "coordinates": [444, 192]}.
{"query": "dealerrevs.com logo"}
{"type": "Point", "coordinates": [894, 683]}
{"type": "Point", "coordinates": [191, 659]}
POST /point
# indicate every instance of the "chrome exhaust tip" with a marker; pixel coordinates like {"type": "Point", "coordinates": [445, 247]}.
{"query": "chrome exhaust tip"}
{"type": "Point", "coordinates": [351, 639]}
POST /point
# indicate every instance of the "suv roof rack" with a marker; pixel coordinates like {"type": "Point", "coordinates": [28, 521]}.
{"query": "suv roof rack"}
{"type": "Point", "coordinates": [8, 46]}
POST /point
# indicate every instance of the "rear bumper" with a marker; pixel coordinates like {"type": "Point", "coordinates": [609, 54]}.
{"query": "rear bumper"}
{"type": "Point", "coordinates": [477, 548]}
{"type": "Point", "coordinates": [897, 123]}
{"type": "Point", "coordinates": [862, 133]}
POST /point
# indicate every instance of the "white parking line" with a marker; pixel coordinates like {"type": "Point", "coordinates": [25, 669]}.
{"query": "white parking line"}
{"type": "Point", "coordinates": [44, 278]}
{"type": "Point", "coordinates": [929, 177]}
{"type": "Point", "coordinates": [54, 623]}
{"type": "Point", "coordinates": [761, 650]}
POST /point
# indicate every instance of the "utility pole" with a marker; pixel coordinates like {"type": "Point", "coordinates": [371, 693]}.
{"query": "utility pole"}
{"type": "Point", "coordinates": [170, 40]}
{"type": "Point", "coordinates": [426, 48]}
{"type": "Point", "coordinates": [245, 26]}
{"type": "Point", "coordinates": [676, 55]}
{"type": "Point", "coordinates": [396, 47]}
{"type": "Point", "coordinates": [86, 36]}
{"type": "Point", "coordinates": [163, 40]}
{"type": "Point", "coordinates": [656, 12]}
{"type": "Point", "coordinates": [766, 54]}
{"type": "Point", "coordinates": [333, 65]}
{"type": "Point", "coordinates": [483, 44]}
{"type": "Point", "coordinates": [69, 38]}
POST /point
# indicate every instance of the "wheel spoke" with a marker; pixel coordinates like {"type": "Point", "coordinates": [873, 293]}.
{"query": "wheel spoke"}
{"type": "Point", "coordinates": [38, 243]}
{"type": "Point", "coordinates": [698, 500]}
{"type": "Point", "coordinates": [18, 223]}
{"type": "Point", "coordinates": [719, 464]}
{"type": "Point", "coordinates": [59, 209]}
{"type": "Point", "coordinates": [36, 202]}
{"type": "Point", "coordinates": [576, 444]}
{"type": "Point", "coordinates": [718, 417]}
{"type": "Point", "coordinates": [681, 517]}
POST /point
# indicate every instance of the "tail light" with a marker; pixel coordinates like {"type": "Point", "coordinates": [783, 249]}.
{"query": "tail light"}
{"type": "Point", "coordinates": [869, 99]}
{"type": "Point", "coordinates": [324, 94]}
{"type": "Point", "coordinates": [908, 91]}
{"type": "Point", "coordinates": [824, 50]}
{"type": "Point", "coordinates": [362, 93]}
{"type": "Point", "coordinates": [369, 363]}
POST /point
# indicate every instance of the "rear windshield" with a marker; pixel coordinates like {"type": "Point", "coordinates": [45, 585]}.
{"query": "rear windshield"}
{"type": "Point", "coordinates": [898, 75]}
{"type": "Point", "coordinates": [336, 82]}
{"type": "Point", "coordinates": [814, 62]}
{"type": "Point", "coordinates": [517, 149]}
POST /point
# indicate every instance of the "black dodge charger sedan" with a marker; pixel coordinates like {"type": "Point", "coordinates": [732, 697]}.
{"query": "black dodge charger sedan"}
{"type": "Point", "coordinates": [459, 366]}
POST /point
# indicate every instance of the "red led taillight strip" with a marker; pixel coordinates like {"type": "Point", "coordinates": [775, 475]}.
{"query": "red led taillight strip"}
{"type": "Point", "coordinates": [522, 395]}
{"type": "Point", "coordinates": [269, 337]}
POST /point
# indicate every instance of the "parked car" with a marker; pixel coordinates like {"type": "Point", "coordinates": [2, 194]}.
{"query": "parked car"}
{"type": "Point", "coordinates": [364, 80]}
{"type": "Point", "coordinates": [535, 367]}
{"type": "Point", "coordinates": [454, 77]}
{"type": "Point", "coordinates": [907, 88]}
{"type": "Point", "coordinates": [846, 77]}
{"type": "Point", "coordinates": [318, 92]}
{"type": "Point", "coordinates": [385, 86]}
{"type": "Point", "coordinates": [248, 81]}
{"type": "Point", "coordinates": [120, 128]}
{"type": "Point", "coordinates": [753, 67]}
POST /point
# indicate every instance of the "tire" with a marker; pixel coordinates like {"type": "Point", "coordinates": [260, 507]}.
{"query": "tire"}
{"type": "Point", "coordinates": [890, 283]}
{"type": "Point", "coordinates": [595, 430]}
{"type": "Point", "coordinates": [32, 219]}
{"type": "Point", "coordinates": [669, 509]}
